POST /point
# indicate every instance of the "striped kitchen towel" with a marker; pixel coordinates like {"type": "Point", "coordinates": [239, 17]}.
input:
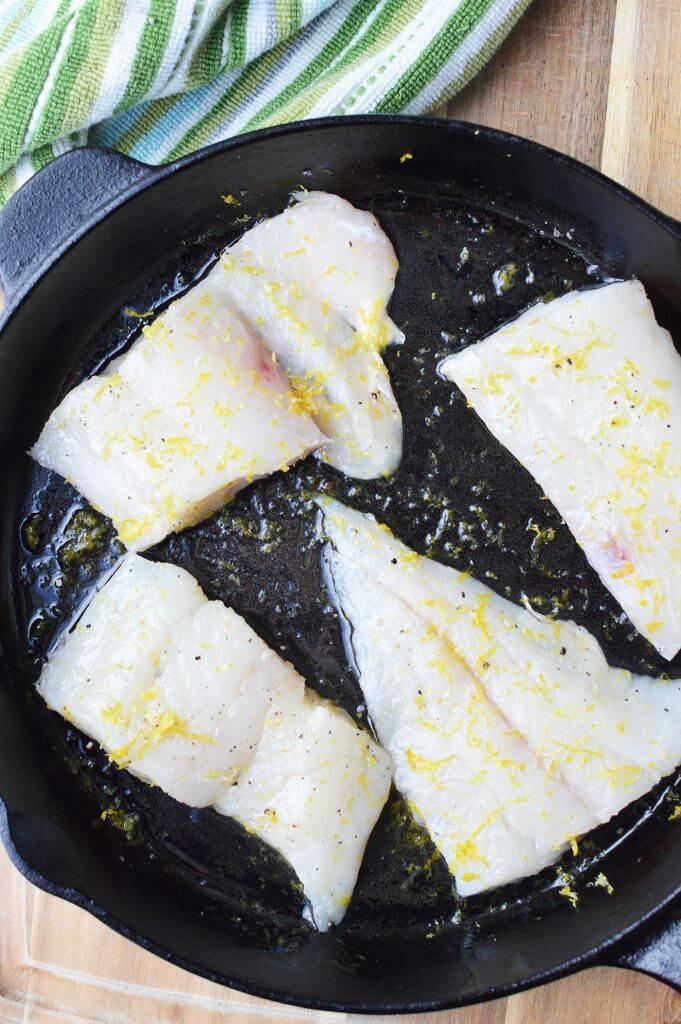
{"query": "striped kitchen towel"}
{"type": "Point", "coordinates": [159, 78]}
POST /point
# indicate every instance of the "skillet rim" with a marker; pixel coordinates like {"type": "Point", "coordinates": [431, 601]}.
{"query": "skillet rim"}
{"type": "Point", "coordinates": [147, 177]}
{"type": "Point", "coordinates": [150, 174]}
{"type": "Point", "coordinates": [576, 964]}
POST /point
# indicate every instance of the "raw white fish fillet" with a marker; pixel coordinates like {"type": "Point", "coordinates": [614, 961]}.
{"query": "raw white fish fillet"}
{"type": "Point", "coordinates": [193, 412]}
{"type": "Point", "coordinates": [585, 391]}
{"type": "Point", "coordinates": [315, 281]}
{"type": "Point", "coordinates": [201, 404]}
{"type": "Point", "coordinates": [174, 687]}
{"type": "Point", "coordinates": [313, 790]}
{"type": "Point", "coordinates": [185, 695]}
{"type": "Point", "coordinates": [510, 733]}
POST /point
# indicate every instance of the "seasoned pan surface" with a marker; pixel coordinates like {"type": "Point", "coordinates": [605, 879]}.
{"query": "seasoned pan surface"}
{"type": "Point", "coordinates": [473, 253]}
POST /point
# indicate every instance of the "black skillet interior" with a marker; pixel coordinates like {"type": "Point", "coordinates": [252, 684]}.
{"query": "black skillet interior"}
{"type": "Point", "coordinates": [462, 204]}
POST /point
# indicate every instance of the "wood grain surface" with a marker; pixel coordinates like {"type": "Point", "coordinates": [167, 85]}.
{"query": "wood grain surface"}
{"type": "Point", "coordinates": [601, 80]}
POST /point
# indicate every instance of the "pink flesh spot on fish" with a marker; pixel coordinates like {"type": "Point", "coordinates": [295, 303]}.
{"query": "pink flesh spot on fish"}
{"type": "Point", "coordinates": [615, 553]}
{"type": "Point", "coordinates": [266, 368]}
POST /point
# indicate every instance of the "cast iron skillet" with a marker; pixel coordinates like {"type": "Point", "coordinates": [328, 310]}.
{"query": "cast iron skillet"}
{"type": "Point", "coordinates": [94, 235]}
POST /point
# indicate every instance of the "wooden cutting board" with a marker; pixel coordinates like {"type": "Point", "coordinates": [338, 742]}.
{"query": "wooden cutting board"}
{"type": "Point", "coordinates": [601, 80]}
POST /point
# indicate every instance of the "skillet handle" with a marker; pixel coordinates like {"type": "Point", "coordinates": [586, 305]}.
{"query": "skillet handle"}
{"type": "Point", "coordinates": [656, 950]}
{"type": "Point", "coordinates": [54, 207]}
